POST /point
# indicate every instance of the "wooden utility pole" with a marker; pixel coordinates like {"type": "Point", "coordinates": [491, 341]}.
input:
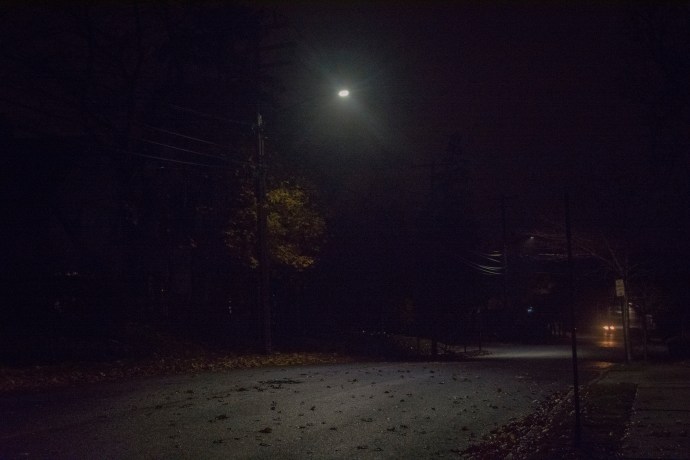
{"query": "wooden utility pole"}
{"type": "Point", "coordinates": [264, 294]}
{"type": "Point", "coordinates": [263, 297]}
{"type": "Point", "coordinates": [262, 237]}
{"type": "Point", "coordinates": [573, 326]}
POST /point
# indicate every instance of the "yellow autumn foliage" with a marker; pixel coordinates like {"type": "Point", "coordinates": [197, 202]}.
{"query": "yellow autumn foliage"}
{"type": "Point", "coordinates": [295, 228]}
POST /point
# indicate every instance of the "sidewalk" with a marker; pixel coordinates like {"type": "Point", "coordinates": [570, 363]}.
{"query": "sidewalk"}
{"type": "Point", "coordinates": [660, 420]}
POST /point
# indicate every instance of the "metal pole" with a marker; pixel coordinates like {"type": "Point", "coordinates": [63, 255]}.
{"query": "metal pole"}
{"type": "Point", "coordinates": [504, 225]}
{"type": "Point", "coordinates": [573, 328]}
{"type": "Point", "coordinates": [262, 238]}
{"type": "Point", "coordinates": [479, 319]}
{"type": "Point", "coordinates": [626, 325]}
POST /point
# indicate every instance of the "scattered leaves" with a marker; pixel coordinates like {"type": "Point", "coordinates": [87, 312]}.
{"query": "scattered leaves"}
{"type": "Point", "coordinates": [548, 431]}
{"type": "Point", "coordinates": [36, 377]}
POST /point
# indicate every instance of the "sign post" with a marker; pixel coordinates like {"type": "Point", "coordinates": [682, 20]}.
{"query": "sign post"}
{"type": "Point", "coordinates": [620, 288]}
{"type": "Point", "coordinates": [573, 325]}
{"type": "Point", "coordinates": [620, 292]}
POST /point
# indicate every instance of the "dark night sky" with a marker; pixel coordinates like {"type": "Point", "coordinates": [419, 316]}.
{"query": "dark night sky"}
{"type": "Point", "coordinates": [540, 94]}
{"type": "Point", "coordinates": [546, 97]}
{"type": "Point", "coordinates": [536, 91]}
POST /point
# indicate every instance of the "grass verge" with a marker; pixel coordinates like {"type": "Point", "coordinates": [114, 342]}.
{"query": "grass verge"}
{"type": "Point", "coordinates": [549, 432]}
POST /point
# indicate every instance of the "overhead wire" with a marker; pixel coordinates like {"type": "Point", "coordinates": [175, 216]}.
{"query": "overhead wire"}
{"type": "Point", "coordinates": [207, 155]}
{"type": "Point", "coordinates": [484, 269]}
{"type": "Point", "coordinates": [208, 115]}
{"type": "Point", "coordinates": [185, 136]}
{"type": "Point", "coordinates": [73, 120]}
{"type": "Point", "coordinates": [181, 149]}
{"type": "Point", "coordinates": [490, 257]}
{"type": "Point", "coordinates": [196, 139]}
{"type": "Point", "coordinates": [171, 160]}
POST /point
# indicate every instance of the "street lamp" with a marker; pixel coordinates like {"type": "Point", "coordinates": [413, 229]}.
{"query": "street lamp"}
{"type": "Point", "coordinates": [262, 233]}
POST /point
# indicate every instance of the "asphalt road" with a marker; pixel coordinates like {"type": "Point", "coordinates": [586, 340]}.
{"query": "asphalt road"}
{"type": "Point", "coordinates": [372, 410]}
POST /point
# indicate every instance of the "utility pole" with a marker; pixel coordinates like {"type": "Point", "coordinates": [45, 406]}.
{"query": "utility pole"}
{"type": "Point", "coordinates": [625, 317]}
{"type": "Point", "coordinates": [264, 294]}
{"type": "Point", "coordinates": [262, 237]}
{"type": "Point", "coordinates": [626, 329]}
{"type": "Point", "coordinates": [504, 225]}
{"type": "Point", "coordinates": [437, 206]}
{"type": "Point", "coordinates": [429, 318]}
{"type": "Point", "coordinates": [436, 262]}
{"type": "Point", "coordinates": [263, 298]}
{"type": "Point", "coordinates": [573, 327]}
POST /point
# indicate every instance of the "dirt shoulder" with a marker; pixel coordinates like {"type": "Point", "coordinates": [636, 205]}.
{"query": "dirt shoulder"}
{"type": "Point", "coordinates": [550, 431]}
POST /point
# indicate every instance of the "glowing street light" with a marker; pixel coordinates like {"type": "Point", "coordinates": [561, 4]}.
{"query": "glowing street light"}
{"type": "Point", "coordinates": [343, 93]}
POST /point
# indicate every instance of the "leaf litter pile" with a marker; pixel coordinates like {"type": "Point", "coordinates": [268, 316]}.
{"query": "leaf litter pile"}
{"type": "Point", "coordinates": [148, 352]}
{"type": "Point", "coordinates": [549, 432]}
{"type": "Point", "coordinates": [181, 360]}
{"type": "Point", "coordinates": [36, 377]}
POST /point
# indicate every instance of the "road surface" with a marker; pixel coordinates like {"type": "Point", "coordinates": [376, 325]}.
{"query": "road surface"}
{"type": "Point", "coordinates": [365, 410]}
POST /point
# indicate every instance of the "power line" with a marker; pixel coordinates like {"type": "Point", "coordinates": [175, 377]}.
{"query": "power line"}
{"type": "Point", "coordinates": [216, 157]}
{"type": "Point", "coordinates": [207, 155]}
{"type": "Point", "coordinates": [214, 117]}
{"type": "Point", "coordinates": [185, 136]}
{"type": "Point", "coordinates": [484, 269]}
{"type": "Point", "coordinates": [204, 141]}
{"type": "Point", "coordinates": [73, 120]}
{"type": "Point", "coordinates": [490, 257]}
{"type": "Point", "coordinates": [154, 157]}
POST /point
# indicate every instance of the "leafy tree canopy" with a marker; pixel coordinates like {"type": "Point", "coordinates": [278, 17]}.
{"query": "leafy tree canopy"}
{"type": "Point", "coordinates": [296, 229]}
